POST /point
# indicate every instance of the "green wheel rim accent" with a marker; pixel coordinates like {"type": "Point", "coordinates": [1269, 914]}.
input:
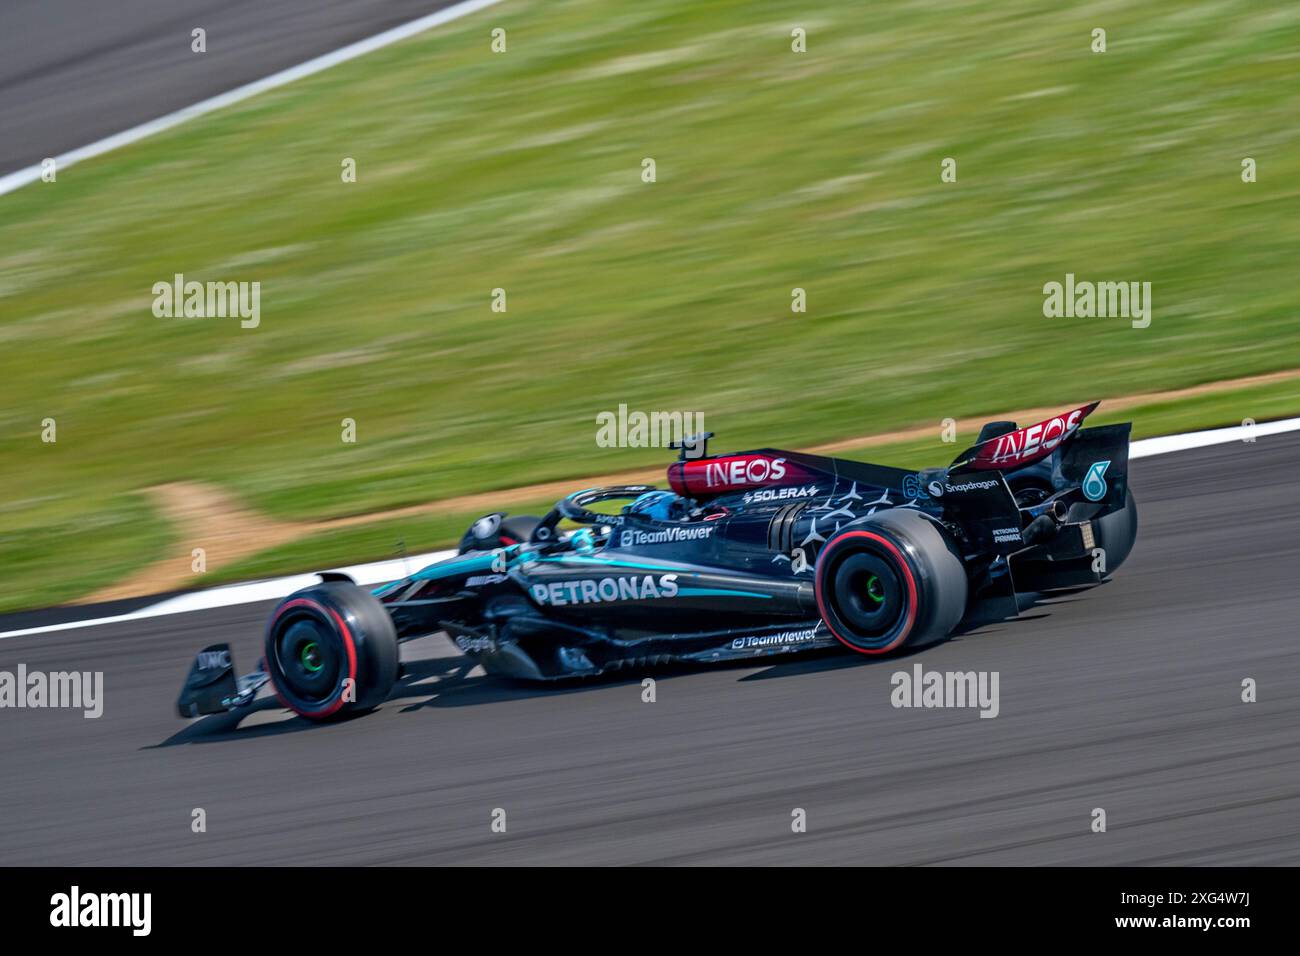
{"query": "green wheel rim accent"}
{"type": "Point", "coordinates": [875, 590]}
{"type": "Point", "coordinates": [308, 658]}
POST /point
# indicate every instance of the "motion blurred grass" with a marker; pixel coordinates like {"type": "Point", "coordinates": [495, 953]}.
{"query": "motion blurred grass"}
{"type": "Point", "coordinates": [80, 552]}
{"type": "Point", "coordinates": [522, 171]}
{"type": "Point", "coordinates": [387, 538]}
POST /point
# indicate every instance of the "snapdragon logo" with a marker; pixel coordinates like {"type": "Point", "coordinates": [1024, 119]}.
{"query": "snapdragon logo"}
{"type": "Point", "coordinates": [211, 300]}
{"type": "Point", "coordinates": [74, 909]}
{"type": "Point", "coordinates": [635, 429]}
{"type": "Point", "coordinates": [983, 485]}
{"type": "Point", "coordinates": [77, 690]}
{"type": "Point", "coordinates": [1102, 300]}
{"type": "Point", "coordinates": [946, 689]}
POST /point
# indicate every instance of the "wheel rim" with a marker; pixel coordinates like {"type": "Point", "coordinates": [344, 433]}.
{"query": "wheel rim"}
{"type": "Point", "coordinates": [867, 595]}
{"type": "Point", "coordinates": [310, 657]}
{"type": "Point", "coordinates": [847, 596]}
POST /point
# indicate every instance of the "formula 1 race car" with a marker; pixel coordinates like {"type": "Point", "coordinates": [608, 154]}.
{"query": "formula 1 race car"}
{"type": "Point", "coordinates": [749, 554]}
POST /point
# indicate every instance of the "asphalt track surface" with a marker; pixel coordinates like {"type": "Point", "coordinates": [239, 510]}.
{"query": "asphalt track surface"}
{"type": "Point", "coordinates": [1124, 697]}
{"type": "Point", "coordinates": [75, 71]}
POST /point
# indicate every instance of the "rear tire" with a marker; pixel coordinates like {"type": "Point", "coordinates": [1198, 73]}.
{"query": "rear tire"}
{"type": "Point", "coordinates": [1115, 533]}
{"type": "Point", "coordinates": [331, 650]}
{"type": "Point", "coordinates": [889, 581]}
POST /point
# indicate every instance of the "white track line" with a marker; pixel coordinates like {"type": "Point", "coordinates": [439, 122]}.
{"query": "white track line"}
{"type": "Point", "coordinates": [1165, 444]}
{"type": "Point", "coordinates": [31, 174]}
{"type": "Point", "coordinates": [235, 594]}
{"type": "Point", "coordinates": [381, 571]}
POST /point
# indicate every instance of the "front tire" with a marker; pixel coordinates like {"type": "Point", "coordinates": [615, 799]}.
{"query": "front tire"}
{"type": "Point", "coordinates": [889, 581]}
{"type": "Point", "coordinates": [331, 649]}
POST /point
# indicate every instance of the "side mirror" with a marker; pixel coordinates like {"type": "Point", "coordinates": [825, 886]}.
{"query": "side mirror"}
{"type": "Point", "coordinates": [693, 446]}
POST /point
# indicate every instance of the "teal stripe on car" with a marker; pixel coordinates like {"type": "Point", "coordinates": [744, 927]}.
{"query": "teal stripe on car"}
{"type": "Point", "coordinates": [715, 592]}
{"type": "Point", "coordinates": [435, 571]}
{"type": "Point", "coordinates": [607, 562]}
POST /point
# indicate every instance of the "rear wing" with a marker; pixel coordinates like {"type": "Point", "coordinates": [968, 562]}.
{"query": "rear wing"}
{"type": "Point", "coordinates": [1096, 461]}
{"type": "Point", "coordinates": [1024, 446]}
{"type": "Point", "coordinates": [1091, 464]}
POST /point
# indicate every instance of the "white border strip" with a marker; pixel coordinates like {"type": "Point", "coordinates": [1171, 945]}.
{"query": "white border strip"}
{"type": "Point", "coordinates": [1165, 444]}
{"type": "Point", "coordinates": [235, 594]}
{"type": "Point", "coordinates": [31, 174]}
{"type": "Point", "coordinates": [382, 571]}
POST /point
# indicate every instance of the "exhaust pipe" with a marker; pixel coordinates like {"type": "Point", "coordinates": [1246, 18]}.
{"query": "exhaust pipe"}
{"type": "Point", "coordinates": [1044, 527]}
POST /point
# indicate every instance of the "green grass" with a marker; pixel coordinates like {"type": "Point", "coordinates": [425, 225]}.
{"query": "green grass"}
{"type": "Point", "coordinates": [375, 541]}
{"type": "Point", "coordinates": [387, 538]}
{"type": "Point", "coordinates": [522, 171]}
{"type": "Point", "coordinates": [56, 553]}
{"type": "Point", "coordinates": [1214, 410]}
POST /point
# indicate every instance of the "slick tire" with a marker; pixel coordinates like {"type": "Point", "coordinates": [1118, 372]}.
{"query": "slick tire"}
{"type": "Point", "coordinates": [1115, 533]}
{"type": "Point", "coordinates": [331, 650]}
{"type": "Point", "coordinates": [890, 581]}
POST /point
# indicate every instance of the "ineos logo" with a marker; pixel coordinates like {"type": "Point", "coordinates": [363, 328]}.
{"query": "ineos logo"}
{"type": "Point", "coordinates": [1023, 443]}
{"type": "Point", "coordinates": [741, 471]}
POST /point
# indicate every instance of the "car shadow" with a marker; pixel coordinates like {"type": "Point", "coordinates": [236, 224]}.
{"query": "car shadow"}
{"type": "Point", "coordinates": [216, 728]}
{"type": "Point", "coordinates": [432, 682]}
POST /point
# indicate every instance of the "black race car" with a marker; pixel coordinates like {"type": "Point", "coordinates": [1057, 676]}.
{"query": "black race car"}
{"type": "Point", "coordinates": [748, 555]}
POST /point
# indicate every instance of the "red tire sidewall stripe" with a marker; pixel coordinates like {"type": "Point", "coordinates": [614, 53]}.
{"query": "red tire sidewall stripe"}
{"type": "Point", "coordinates": [348, 643]}
{"type": "Point", "coordinates": [912, 591]}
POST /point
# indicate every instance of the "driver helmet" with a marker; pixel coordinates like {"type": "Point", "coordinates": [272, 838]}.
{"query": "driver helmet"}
{"type": "Point", "coordinates": [659, 506]}
{"type": "Point", "coordinates": [583, 541]}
